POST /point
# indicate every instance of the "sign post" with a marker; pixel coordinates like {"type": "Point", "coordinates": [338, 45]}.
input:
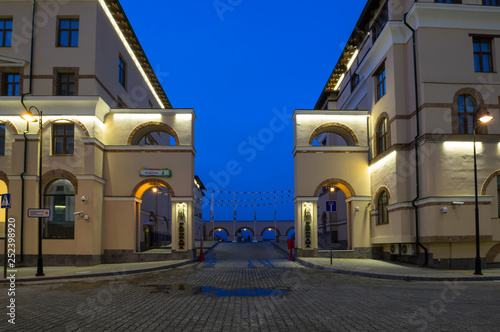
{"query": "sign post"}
{"type": "Point", "coordinates": [5, 205]}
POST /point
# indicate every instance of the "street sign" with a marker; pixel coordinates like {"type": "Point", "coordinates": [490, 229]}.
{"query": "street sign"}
{"type": "Point", "coordinates": [38, 213]}
{"type": "Point", "coordinates": [5, 201]}
{"type": "Point", "coordinates": [331, 206]}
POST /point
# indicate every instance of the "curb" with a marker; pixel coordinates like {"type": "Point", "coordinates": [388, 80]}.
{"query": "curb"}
{"type": "Point", "coordinates": [112, 274]}
{"type": "Point", "coordinates": [383, 276]}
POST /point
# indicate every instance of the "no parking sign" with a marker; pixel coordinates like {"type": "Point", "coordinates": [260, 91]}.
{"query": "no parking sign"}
{"type": "Point", "coordinates": [331, 206]}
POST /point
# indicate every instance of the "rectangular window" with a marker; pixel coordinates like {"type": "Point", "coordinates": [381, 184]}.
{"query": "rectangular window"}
{"type": "Point", "coordinates": [483, 57]}
{"type": "Point", "coordinates": [122, 72]}
{"type": "Point", "coordinates": [5, 32]}
{"type": "Point", "coordinates": [380, 77]}
{"type": "Point", "coordinates": [63, 139]}
{"type": "Point", "coordinates": [380, 22]}
{"type": "Point", "coordinates": [354, 81]}
{"type": "Point", "coordinates": [66, 84]}
{"type": "Point", "coordinates": [491, 2]}
{"type": "Point", "coordinates": [2, 139]}
{"type": "Point", "coordinates": [68, 31]}
{"type": "Point", "coordinates": [11, 84]}
{"type": "Point", "coordinates": [448, 1]}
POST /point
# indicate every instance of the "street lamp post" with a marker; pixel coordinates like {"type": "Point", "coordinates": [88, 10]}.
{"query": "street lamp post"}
{"type": "Point", "coordinates": [484, 118]}
{"type": "Point", "coordinates": [28, 116]}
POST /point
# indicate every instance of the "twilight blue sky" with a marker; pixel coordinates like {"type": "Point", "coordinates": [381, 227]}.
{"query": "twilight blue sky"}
{"type": "Point", "coordinates": [244, 66]}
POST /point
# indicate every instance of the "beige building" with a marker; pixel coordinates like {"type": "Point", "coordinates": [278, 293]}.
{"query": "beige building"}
{"type": "Point", "coordinates": [108, 135]}
{"type": "Point", "coordinates": [404, 151]}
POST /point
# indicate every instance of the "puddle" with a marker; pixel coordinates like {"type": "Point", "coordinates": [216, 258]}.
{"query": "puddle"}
{"type": "Point", "coordinates": [246, 292]}
{"type": "Point", "coordinates": [219, 292]}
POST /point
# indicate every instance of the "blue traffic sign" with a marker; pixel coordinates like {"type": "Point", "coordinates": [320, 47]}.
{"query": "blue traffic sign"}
{"type": "Point", "coordinates": [5, 201]}
{"type": "Point", "coordinates": [331, 206]}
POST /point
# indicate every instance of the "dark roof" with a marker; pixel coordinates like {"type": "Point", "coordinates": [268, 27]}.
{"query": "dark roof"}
{"type": "Point", "coordinates": [126, 28]}
{"type": "Point", "coordinates": [357, 36]}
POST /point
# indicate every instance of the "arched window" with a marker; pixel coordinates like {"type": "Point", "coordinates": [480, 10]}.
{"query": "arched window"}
{"type": "Point", "coordinates": [60, 199]}
{"type": "Point", "coordinates": [156, 138]}
{"type": "Point", "coordinates": [382, 142]}
{"type": "Point", "coordinates": [466, 106]}
{"type": "Point", "coordinates": [382, 202]}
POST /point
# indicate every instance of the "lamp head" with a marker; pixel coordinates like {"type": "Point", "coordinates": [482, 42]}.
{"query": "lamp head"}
{"type": "Point", "coordinates": [28, 116]}
{"type": "Point", "coordinates": [485, 116]}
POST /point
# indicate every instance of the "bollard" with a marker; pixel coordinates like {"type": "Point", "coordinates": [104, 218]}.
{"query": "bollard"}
{"type": "Point", "coordinates": [331, 256]}
{"type": "Point", "coordinates": [201, 258]}
{"type": "Point", "coordinates": [290, 246]}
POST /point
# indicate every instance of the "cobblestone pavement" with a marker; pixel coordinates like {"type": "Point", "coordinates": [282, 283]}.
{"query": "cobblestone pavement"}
{"type": "Point", "coordinates": [252, 287]}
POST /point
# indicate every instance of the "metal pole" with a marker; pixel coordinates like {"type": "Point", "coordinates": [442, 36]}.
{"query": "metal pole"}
{"type": "Point", "coordinates": [39, 271]}
{"type": "Point", "coordinates": [478, 254]}
{"type": "Point", "coordinates": [5, 244]}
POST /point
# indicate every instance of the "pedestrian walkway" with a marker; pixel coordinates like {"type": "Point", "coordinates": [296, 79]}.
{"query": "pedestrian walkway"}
{"type": "Point", "coordinates": [390, 270]}
{"type": "Point", "coordinates": [101, 270]}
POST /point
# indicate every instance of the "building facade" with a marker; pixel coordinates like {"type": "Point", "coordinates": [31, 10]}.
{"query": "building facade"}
{"type": "Point", "coordinates": [404, 99]}
{"type": "Point", "coordinates": [107, 132]}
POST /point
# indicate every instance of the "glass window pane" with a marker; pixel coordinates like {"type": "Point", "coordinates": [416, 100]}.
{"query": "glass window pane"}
{"type": "Point", "coordinates": [8, 38]}
{"type": "Point", "coordinates": [64, 24]}
{"type": "Point", "coordinates": [476, 47]}
{"type": "Point", "coordinates": [16, 91]}
{"type": "Point", "coordinates": [69, 145]}
{"type": "Point", "coordinates": [63, 39]}
{"type": "Point", "coordinates": [75, 24]}
{"type": "Point", "coordinates": [485, 46]}
{"type": "Point", "coordinates": [8, 24]}
{"type": "Point", "coordinates": [2, 24]}
{"type": "Point", "coordinates": [58, 146]}
{"type": "Point", "coordinates": [74, 38]}
{"type": "Point", "coordinates": [70, 129]}
{"type": "Point", "coordinates": [486, 63]}
{"type": "Point", "coordinates": [59, 129]}
{"type": "Point", "coordinates": [477, 62]}
{"type": "Point", "coordinates": [71, 91]}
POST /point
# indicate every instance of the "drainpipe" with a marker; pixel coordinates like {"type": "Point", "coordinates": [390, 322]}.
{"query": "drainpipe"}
{"type": "Point", "coordinates": [27, 130]}
{"type": "Point", "coordinates": [417, 166]}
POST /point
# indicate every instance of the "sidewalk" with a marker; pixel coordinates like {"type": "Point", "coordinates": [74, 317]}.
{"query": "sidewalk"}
{"type": "Point", "coordinates": [390, 270]}
{"type": "Point", "coordinates": [23, 274]}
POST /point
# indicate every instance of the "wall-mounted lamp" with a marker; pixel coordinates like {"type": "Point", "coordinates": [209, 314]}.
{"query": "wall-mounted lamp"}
{"type": "Point", "coordinates": [456, 205]}
{"type": "Point", "coordinates": [84, 199]}
{"type": "Point", "coordinates": [444, 209]}
{"type": "Point", "coordinates": [357, 208]}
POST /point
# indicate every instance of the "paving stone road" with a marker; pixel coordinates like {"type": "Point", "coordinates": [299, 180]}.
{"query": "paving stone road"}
{"type": "Point", "coordinates": [252, 287]}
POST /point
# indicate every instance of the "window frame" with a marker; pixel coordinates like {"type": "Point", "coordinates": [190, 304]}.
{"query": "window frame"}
{"type": "Point", "coordinates": [48, 204]}
{"type": "Point", "coordinates": [381, 84]}
{"type": "Point", "coordinates": [479, 41]}
{"type": "Point", "coordinates": [65, 138]}
{"type": "Point", "coordinates": [69, 30]}
{"type": "Point", "coordinates": [122, 72]}
{"type": "Point", "coordinates": [463, 129]}
{"type": "Point", "coordinates": [382, 136]}
{"type": "Point", "coordinates": [4, 31]}
{"type": "Point", "coordinates": [354, 81]}
{"type": "Point", "coordinates": [6, 84]}
{"type": "Point", "coordinates": [382, 205]}
{"type": "Point", "coordinates": [68, 84]}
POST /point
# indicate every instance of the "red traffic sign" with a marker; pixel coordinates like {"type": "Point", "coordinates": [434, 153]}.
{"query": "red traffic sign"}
{"type": "Point", "coordinates": [38, 213]}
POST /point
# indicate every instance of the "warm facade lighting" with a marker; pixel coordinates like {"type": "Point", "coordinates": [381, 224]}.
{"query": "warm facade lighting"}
{"type": "Point", "coordinates": [354, 56]}
{"type": "Point", "coordinates": [486, 118]}
{"type": "Point", "coordinates": [339, 82]}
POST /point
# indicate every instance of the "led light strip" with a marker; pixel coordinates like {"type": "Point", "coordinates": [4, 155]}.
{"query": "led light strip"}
{"type": "Point", "coordinates": [129, 49]}
{"type": "Point", "coordinates": [353, 58]}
